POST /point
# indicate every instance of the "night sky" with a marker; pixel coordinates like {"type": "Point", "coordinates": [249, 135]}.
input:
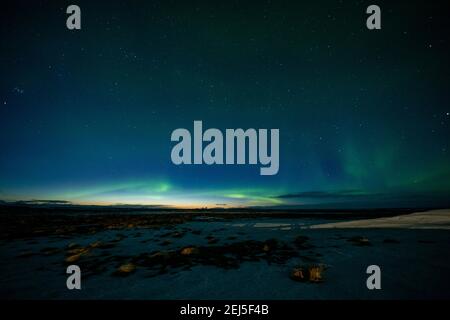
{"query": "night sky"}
{"type": "Point", "coordinates": [86, 116]}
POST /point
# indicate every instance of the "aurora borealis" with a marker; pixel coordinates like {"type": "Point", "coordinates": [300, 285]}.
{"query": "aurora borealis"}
{"type": "Point", "coordinates": [86, 116]}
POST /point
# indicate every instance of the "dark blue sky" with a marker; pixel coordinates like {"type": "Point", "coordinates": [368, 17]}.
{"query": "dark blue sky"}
{"type": "Point", "coordinates": [86, 116]}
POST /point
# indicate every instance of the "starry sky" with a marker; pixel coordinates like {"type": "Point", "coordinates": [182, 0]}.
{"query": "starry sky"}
{"type": "Point", "coordinates": [86, 116]}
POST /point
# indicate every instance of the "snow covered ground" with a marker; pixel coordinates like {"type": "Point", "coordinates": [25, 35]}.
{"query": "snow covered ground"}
{"type": "Point", "coordinates": [414, 263]}
{"type": "Point", "coordinates": [433, 219]}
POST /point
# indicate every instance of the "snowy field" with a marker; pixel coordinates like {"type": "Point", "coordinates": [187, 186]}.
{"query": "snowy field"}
{"type": "Point", "coordinates": [229, 259]}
